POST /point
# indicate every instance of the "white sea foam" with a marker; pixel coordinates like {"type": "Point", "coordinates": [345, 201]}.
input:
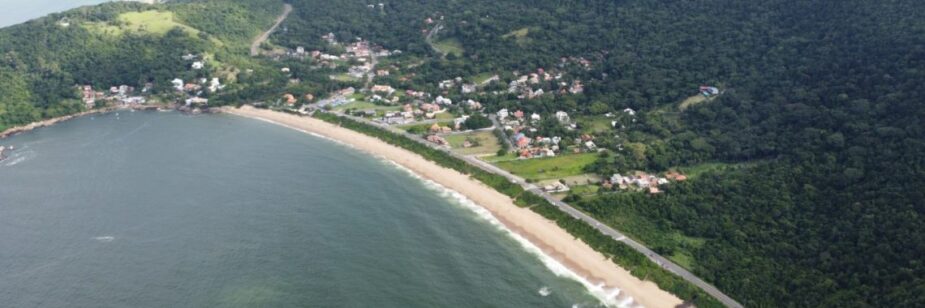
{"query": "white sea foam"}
{"type": "Point", "coordinates": [105, 239]}
{"type": "Point", "coordinates": [608, 297]}
{"type": "Point", "coordinates": [544, 291]}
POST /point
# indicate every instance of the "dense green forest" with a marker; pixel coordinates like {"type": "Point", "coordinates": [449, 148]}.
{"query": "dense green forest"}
{"type": "Point", "coordinates": [817, 145]}
{"type": "Point", "coordinates": [821, 112]}
{"type": "Point", "coordinates": [43, 59]}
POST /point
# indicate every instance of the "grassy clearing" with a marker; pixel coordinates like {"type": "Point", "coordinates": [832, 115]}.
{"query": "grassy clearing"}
{"type": "Point", "coordinates": [444, 116]}
{"type": "Point", "coordinates": [415, 128]}
{"type": "Point", "coordinates": [694, 171]}
{"type": "Point", "coordinates": [591, 125]}
{"type": "Point", "coordinates": [520, 36]}
{"type": "Point", "coordinates": [487, 142]}
{"type": "Point", "coordinates": [549, 168]}
{"type": "Point", "coordinates": [363, 105]}
{"type": "Point", "coordinates": [693, 100]}
{"type": "Point", "coordinates": [155, 22]}
{"type": "Point", "coordinates": [344, 77]}
{"type": "Point", "coordinates": [519, 33]}
{"type": "Point", "coordinates": [450, 46]}
{"type": "Point", "coordinates": [481, 78]}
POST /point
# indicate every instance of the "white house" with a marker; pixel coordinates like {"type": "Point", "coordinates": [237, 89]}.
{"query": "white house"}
{"type": "Point", "coordinates": [443, 101]}
{"type": "Point", "coordinates": [535, 117]}
{"type": "Point", "coordinates": [562, 116]}
{"type": "Point", "coordinates": [503, 114]}
{"type": "Point", "coordinates": [177, 84]}
{"type": "Point", "coordinates": [630, 111]}
{"type": "Point", "coordinates": [198, 65]}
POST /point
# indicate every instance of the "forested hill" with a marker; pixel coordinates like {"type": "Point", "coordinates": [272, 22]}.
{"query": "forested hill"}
{"type": "Point", "coordinates": [822, 107]}
{"type": "Point", "coordinates": [810, 165]}
{"type": "Point", "coordinates": [119, 43]}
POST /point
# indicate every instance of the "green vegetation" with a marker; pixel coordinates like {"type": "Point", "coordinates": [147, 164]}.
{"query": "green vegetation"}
{"type": "Point", "coordinates": [549, 168]}
{"type": "Point", "coordinates": [483, 142]}
{"type": "Point", "coordinates": [450, 46]}
{"type": "Point", "coordinates": [821, 102]}
{"type": "Point", "coordinates": [155, 22]}
{"type": "Point", "coordinates": [620, 253]}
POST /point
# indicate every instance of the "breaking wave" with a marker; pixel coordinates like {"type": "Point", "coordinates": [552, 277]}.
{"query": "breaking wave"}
{"type": "Point", "coordinates": [609, 297]}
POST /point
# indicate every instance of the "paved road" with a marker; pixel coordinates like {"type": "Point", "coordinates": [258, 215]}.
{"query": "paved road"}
{"type": "Point", "coordinates": [255, 46]}
{"type": "Point", "coordinates": [506, 139]}
{"type": "Point", "coordinates": [616, 235]}
{"type": "Point", "coordinates": [430, 38]}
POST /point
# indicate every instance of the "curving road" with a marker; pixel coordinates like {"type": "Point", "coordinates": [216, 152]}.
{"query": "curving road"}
{"type": "Point", "coordinates": [603, 228]}
{"type": "Point", "coordinates": [255, 46]}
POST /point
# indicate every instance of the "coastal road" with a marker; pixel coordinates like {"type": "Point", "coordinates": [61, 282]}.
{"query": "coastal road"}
{"type": "Point", "coordinates": [507, 140]}
{"type": "Point", "coordinates": [255, 46]}
{"type": "Point", "coordinates": [603, 228]}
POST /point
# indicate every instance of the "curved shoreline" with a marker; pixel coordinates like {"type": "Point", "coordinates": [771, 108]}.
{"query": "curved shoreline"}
{"type": "Point", "coordinates": [541, 232]}
{"type": "Point", "coordinates": [9, 132]}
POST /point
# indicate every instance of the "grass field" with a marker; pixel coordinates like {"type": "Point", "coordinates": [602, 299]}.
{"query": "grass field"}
{"type": "Point", "coordinates": [549, 168]}
{"type": "Point", "coordinates": [595, 124]}
{"type": "Point", "coordinates": [363, 105]}
{"type": "Point", "coordinates": [694, 171]}
{"type": "Point", "coordinates": [480, 78]}
{"type": "Point", "coordinates": [519, 35]}
{"type": "Point", "coordinates": [156, 22]}
{"type": "Point", "coordinates": [450, 46]}
{"type": "Point", "coordinates": [343, 77]}
{"type": "Point", "coordinates": [488, 143]}
{"type": "Point", "coordinates": [692, 101]}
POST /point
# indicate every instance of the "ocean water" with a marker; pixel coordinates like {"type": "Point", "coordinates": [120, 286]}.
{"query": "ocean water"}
{"type": "Point", "coordinates": [17, 11]}
{"type": "Point", "coordinates": [149, 209]}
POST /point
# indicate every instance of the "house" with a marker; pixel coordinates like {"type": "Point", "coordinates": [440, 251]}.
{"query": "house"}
{"type": "Point", "coordinates": [630, 111]}
{"type": "Point", "coordinates": [309, 97]}
{"type": "Point", "coordinates": [300, 50]}
{"type": "Point", "coordinates": [467, 88]}
{"type": "Point", "coordinates": [430, 107]}
{"type": "Point", "coordinates": [437, 139]}
{"type": "Point", "coordinates": [383, 89]}
{"type": "Point", "coordinates": [437, 129]}
{"type": "Point", "coordinates": [502, 114]}
{"type": "Point", "coordinates": [562, 116]}
{"type": "Point", "coordinates": [284, 70]}
{"type": "Point", "coordinates": [519, 114]}
{"type": "Point", "coordinates": [215, 85]}
{"type": "Point", "coordinates": [198, 65]}
{"type": "Point", "coordinates": [590, 145]}
{"type": "Point", "coordinates": [443, 101]}
{"type": "Point", "coordinates": [382, 73]}
{"type": "Point", "coordinates": [535, 117]}
{"type": "Point", "coordinates": [197, 100]}
{"type": "Point", "coordinates": [347, 92]}
{"type": "Point", "coordinates": [709, 91]}
{"type": "Point", "coordinates": [576, 87]}
{"type": "Point", "coordinates": [556, 188]}
{"type": "Point", "coordinates": [654, 190]}
{"type": "Point", "coordinates": [177, 84]}
{"type": "Point", "coordinates": [521, 141]}
{"type": "Point", "coordinates": [289, 99]}
{"type": "Point", "coordinates": [473, 105]}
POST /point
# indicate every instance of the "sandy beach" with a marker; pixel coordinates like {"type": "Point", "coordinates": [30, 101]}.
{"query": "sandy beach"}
{"type": "Point", "coordinates": [545, 234]}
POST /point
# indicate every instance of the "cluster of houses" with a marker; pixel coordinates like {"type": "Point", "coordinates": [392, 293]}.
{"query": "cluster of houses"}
{"type": "Point", "coordinates": [641, 181]}
{"type": "Point", "coordinates": [521, 125]}
{"type": "Point", "coordinates": [124, 95]}
{"type": "Point", "coordinates": [531, 85]}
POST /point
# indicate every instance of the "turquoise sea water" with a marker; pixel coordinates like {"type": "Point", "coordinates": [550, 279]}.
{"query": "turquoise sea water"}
{"type": "Point", "coordinates": [148, 209]}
